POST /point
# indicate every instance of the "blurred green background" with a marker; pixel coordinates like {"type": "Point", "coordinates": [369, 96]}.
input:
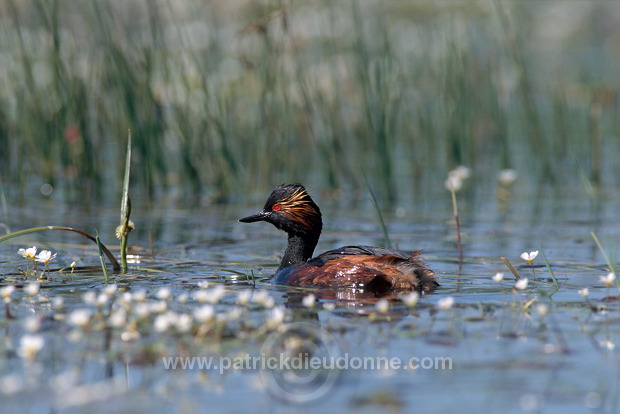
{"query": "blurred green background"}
{"type": "Point", "coordinates": [225, 99]}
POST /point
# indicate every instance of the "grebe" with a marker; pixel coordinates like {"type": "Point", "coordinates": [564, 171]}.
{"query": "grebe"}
{"type": "Point", "coordinates": [373, 269]}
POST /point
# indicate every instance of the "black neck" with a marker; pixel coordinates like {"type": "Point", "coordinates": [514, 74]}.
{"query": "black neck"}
{"type": "Point", "coordinates": [298, 250]}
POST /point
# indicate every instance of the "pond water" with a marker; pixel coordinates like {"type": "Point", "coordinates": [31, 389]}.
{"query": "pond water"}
{"type": "Point", "coordinates": [110, 346]}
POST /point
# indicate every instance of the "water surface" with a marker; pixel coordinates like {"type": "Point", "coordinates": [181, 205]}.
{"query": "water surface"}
{"type": "Point", "coordinates": [542, 349]}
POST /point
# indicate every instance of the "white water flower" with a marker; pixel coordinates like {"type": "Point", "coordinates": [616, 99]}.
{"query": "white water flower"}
{"type": "Point", "coordinates": [609, 279]}
{"type": "Point", "coordinates": [382, 306]}
{"type": "Point", "coordinates": [79, 317]}
{"type": "Point", "coordinates": [217, 293]}
{"type": "Point", "coordinates": [182, 298]}
{"type": "Point", "coordinates": [6, 293]}
{"type": "Point", "coordinates": [130, 336]}
{"type": "Point", "coordinates": [204, 313]}
{"type": "Point", "coordinates": [30, 345]}
{"type": "Point", "coordinates": [203, 284]}
{"type": "Point", "coordinates": [210, 295]}
{"type": "Point", "coordinates": [410, 299]}
{"type": "Point", "coordinates": [529, 257]}
{"type": "Point", "coordinates": [499, 276]}
{"type": "Point", "coordinates": [90, 297]}
{"type": "Point", "coordinates": [164, 321]}
{"type": "Point", "coordinates": [163, 293]}
{"type": "Point", "coordinates": [183, 322]}
{"type": "Point", "coordinates": [329, 306]}
{"type": "Point", "coordinates": [46, 257]}
{"type": "Point", "coordinates": [521, 284]}
{"type": "Point", "coordinates": [142, 310]}
{"type": "Point", "coordinates": [607, 344]}
{"type": "Point", "coordinates": [102, 299]}
{"type": "Point", "coordinates": [29, 253]}
{"type": "Point", "coordinates": [277, 316]}
{"type": "Point", "coordinates": [32, 289]}
{"type": "Point", "coordinates": [201, 296]}
{"type": "Point", "coordinates": [262, 298]}
{"type": "Point", "coordinates": [308, 301]}
{"type": "Point", "coordinates": [118, 318]}
{"type": "Point", "coordinates": [111, 289]}
{"type": "Point", "coordinates": [58, 303]}
{"type": "Point", "coordinates": [445, 303]}
{"type": "Point", "coordinates": [234, 314]}
{"type": "Point", "coordinates": [140, 295]}
{"type": "Point", "coordinates": [159, 306]}
{"type": "Point", "coordinates": [11, 384]}
{"type": "Point", "coordinates": [126, 299]}
{"type": "Point", "coordinates": [453, 183]}
{"type": "Point", "coordinates": [461, 172]}
{"type": "Point", "coordinates": [542, 309]}
{"type": "Point", "coordinates": [244, 297]}
{"type": "Point", "coordinates": [507, 177]}
{"type": "Point", "coordinates": [32, 324]}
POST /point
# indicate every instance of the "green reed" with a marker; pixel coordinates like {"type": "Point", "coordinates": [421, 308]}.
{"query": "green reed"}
{"type": "Point", "coordinates": [379, 215]}
{"type": "Point", "coordinates": [224, 103]}
{"type": "Point", "coordinates": [126, 225]}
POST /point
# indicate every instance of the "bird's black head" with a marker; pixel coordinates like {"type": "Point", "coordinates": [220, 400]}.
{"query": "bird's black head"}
{"type": "Point", "coordinates": [290, 208]}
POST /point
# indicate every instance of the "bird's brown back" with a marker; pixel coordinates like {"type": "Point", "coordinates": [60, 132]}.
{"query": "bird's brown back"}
{"type": "Point", "coordinates": [377, 272]}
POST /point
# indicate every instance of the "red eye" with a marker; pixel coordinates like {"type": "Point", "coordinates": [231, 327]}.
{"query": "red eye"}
{"type": "Point", "coordinates": [276, 207]}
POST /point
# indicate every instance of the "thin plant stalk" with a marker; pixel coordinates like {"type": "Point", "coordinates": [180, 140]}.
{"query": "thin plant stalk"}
{"type": "Point", "coordinates": [7, 311]}
{"type": "Point", "coordinates": [375, 205]}
{"type": "Point", "coordinates": [455, 211]}
{"type": "Point", "coordinates": [511, 268]}
{"type": "Point", "coordinates": [3, 202]}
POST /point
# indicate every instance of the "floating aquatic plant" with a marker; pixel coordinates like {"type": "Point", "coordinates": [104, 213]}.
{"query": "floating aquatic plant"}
{"type": "Point", "coordinates": [30, 346]}
{"type": "Point", "coordinates": [382, 306]}
{"type": "Point", "coordinates": [32, 288]}
{"type": "Point", "coordinates": [410, 299]}
{"type": "Point", "coordinates": [609, 279]}
{"type": "Point", "coordinates": [507, 177]}
{"type": "Point", "coordinates": [31, 252]}
{"type": "Point", "coordinates": [446, 303]}
{"type": "Point", "coordinates": [6, 292]}
{"type": "Point", "coordinates": [498, 277]}
{"type": "Point", "coordinates": [309, 301]}
{"type": "Point", "coordinates": [529, 258]}
{"type": "Point", "coordinates": [521, 284]}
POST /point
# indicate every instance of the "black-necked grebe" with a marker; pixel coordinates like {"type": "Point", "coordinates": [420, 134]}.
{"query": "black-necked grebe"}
{"type": "Point", "coordinates": [375, 269]}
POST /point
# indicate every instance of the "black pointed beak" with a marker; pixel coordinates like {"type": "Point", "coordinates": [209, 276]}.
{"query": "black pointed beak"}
{"type": "Point", "coordinates": [255, 217]}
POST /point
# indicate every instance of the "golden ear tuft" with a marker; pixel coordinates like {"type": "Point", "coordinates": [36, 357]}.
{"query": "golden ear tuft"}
{"type": "Point", "coordinates": [299, 207]}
